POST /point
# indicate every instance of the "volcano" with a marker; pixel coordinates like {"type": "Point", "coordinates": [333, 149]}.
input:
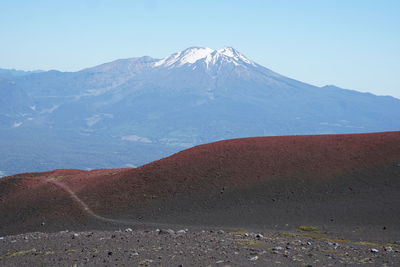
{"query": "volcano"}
{"type": "Point", "coordinates": [133, 111]}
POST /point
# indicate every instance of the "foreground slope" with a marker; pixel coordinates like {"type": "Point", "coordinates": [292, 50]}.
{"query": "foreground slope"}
{"type": "Point", "coordinates": [337, 182]}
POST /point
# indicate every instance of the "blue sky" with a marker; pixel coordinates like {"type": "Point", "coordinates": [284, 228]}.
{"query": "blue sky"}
{"type": "Point", "coordinates": [350, 43]}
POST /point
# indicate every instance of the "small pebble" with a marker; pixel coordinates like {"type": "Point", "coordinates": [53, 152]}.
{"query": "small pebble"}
{"type": "Point", "coordinates": [254, 258]}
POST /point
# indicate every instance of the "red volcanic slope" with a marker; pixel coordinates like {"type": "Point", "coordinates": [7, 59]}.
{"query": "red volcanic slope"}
{"type": "Point", "coordinates": [259, 169]}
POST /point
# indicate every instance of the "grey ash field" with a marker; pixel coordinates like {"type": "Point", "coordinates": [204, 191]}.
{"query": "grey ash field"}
{"type": "Point", "coordinates": [326, 200]}
{"type": "Point", "coordinates": [192, 247]}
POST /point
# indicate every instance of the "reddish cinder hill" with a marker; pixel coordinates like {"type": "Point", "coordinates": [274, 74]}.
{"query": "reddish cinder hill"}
{"type": "Point", "coordinates": [350, 181]}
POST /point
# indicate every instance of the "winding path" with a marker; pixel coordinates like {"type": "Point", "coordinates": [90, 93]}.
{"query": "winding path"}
{"type": "Point", "coordinates": [84, 206]}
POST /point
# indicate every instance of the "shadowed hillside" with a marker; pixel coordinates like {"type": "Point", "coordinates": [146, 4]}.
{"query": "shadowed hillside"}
{"type": "Point", "coordinates": [331, 181]}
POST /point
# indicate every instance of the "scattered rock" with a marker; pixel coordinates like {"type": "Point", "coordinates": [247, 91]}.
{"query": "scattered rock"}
{"type": "Point", "coordinates": [145, 262]}
{"type": "Point", "coordinates": [254, 258]}
{"type": "Point", "coordinates": [166, 232]}
{"type": "Point", "coordinates": [75, 235]}
{"type": "Point", "coordinates": [217, 250]}
{"type": "Point", "coordinates": [389, 249]}
{"type": "Point", "coordinates": [286, 253]}
{"type": "Point", "coordinates": [335, 245]}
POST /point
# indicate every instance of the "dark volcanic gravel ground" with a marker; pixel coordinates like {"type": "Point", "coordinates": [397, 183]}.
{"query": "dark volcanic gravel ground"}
{"type": "Point", "coordinates": [192, 247]}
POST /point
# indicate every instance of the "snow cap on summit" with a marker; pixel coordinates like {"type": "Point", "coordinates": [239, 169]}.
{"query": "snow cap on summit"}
{"type": "Point", "coordinates": [193, 54]}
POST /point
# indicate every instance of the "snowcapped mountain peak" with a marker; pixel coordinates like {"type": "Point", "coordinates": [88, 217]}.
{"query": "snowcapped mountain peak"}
{"type": "Point", "coordinates": [234, 55]}
{"type": "Point", "coordinates": [193, 54]}
{"type": "Point", "coordinates": [189, 55]}
{"type": "Point", "coordinates": [228, 51]}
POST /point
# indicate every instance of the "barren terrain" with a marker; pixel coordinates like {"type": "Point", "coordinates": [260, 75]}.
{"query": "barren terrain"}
{"type": "Point", "coordinates": [331, 199]}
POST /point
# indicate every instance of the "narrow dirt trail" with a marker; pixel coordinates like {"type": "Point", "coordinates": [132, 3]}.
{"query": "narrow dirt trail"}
{"type": "Point", "coordinates": [83, 205]}
{"type": "Point", "coordinates": [89, 212]}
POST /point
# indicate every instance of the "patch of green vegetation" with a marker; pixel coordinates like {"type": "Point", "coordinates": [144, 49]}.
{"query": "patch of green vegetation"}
{"type": "Point", "coordinates": [365, 243]}
{"type": "Point", "coordinates": [366, 260]}
{"type": "Point", "coordinates": [392, 245]}
{"type": "Point", "coordinates": [18, 253]}
{"type": "Point", "coordinates": [288, 234]}
{"type": "Point", "coordinates": [240, 232]}
{"type": "Point", "coordinates": [320, 232]}
{"type": "Point", "coordinates": [307, 228]}
{"type": "Point", "coordinates": [25, 252]}
{"type": "Point", "coordinates": [316, 236]}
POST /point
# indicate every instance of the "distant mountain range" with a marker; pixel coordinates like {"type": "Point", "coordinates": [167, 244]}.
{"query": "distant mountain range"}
{"type": "Point", "coordinates": [132, 111]}
{"type": "Point", "coordinates": [13, 72]}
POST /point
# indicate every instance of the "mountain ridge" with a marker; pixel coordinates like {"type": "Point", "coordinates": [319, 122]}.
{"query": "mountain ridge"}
{"type": "Point", "coordinates": [141, 112]}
